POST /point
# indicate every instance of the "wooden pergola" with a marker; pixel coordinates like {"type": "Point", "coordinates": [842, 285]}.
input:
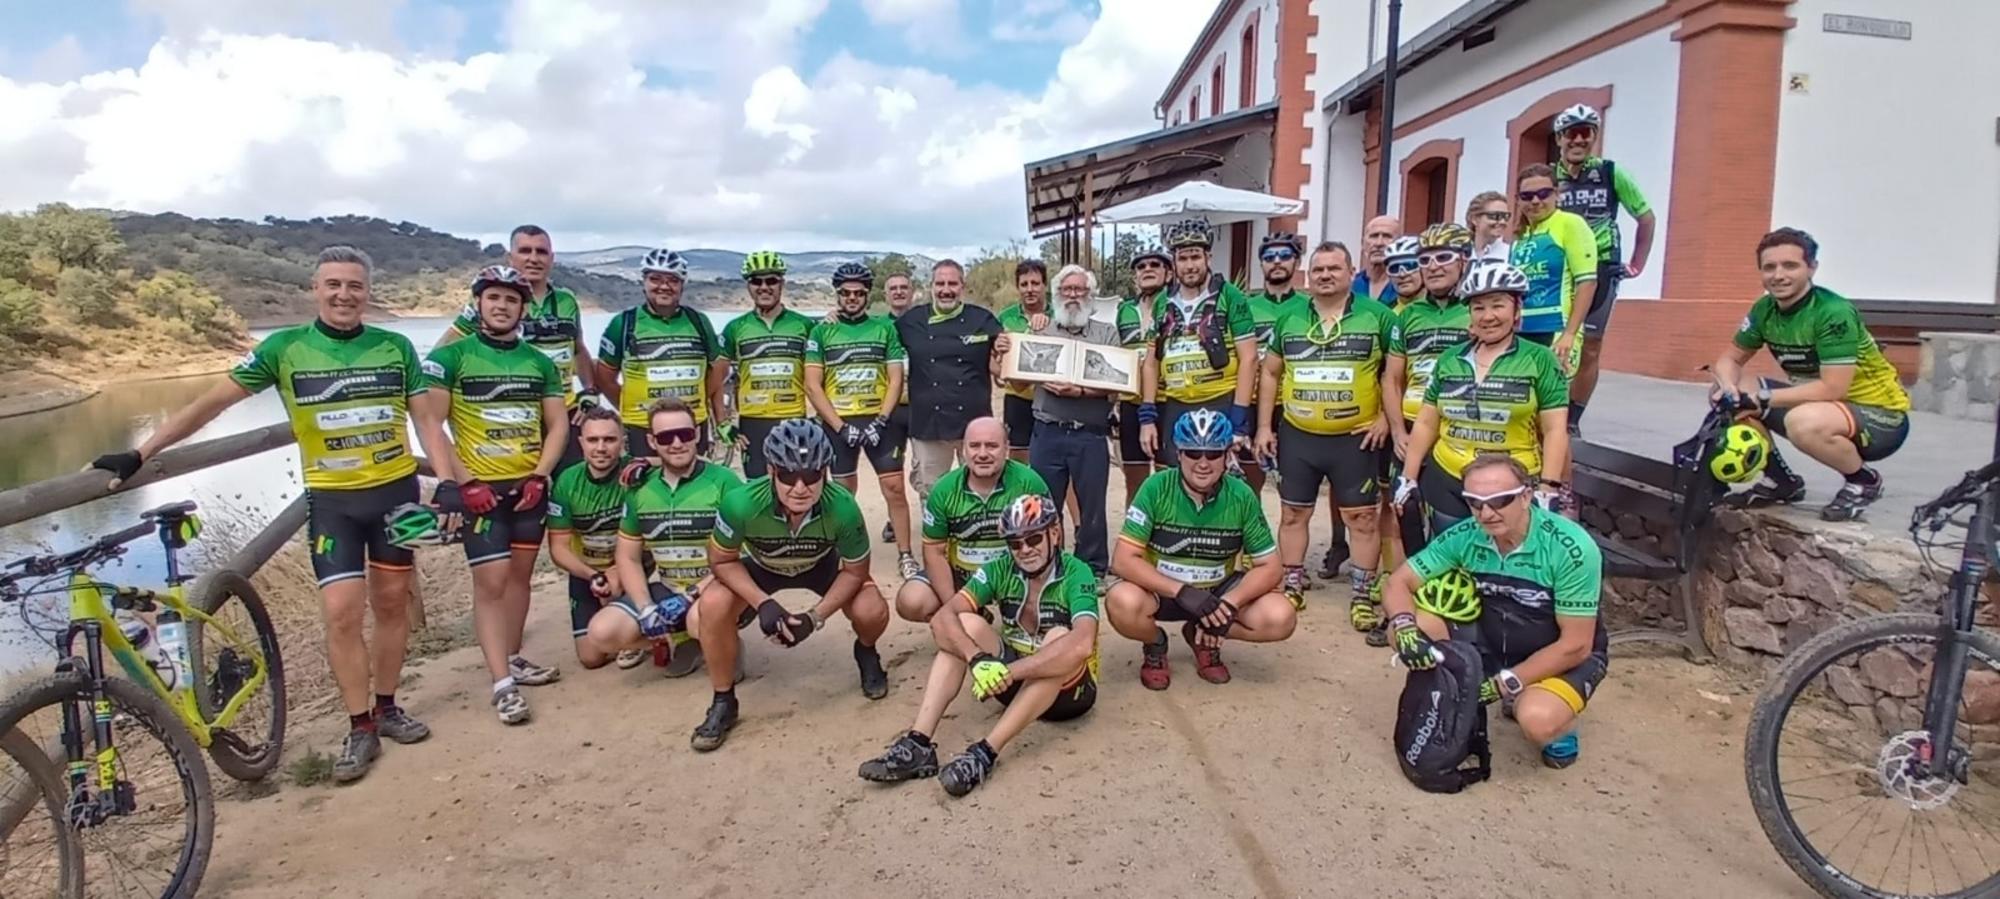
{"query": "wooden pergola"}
{"type": "Point", "coordinates": [1065, 192]}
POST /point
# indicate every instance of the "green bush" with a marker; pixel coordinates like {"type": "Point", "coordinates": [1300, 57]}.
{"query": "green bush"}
{"type": "Point", "coordinates": [20, 310]}
{"type": "Point", "coordinates": [89, 295]}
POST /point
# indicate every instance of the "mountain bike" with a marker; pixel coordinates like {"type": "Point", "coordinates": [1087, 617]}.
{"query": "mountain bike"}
{"type": "Point", "coordinates": [1873, 754]}
{"type": "Point", "coordinates": [135, 793]}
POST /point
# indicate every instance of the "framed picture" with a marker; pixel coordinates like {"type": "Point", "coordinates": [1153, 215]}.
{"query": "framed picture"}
{"type": "Point", "coordinates": [1037, 358]}
{"type": "Point", "coordinates": [1043, 359]}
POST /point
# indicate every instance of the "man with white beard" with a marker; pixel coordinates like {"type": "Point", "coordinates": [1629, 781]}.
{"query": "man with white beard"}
{"type": "Point", "coordinates": [1071, 447]}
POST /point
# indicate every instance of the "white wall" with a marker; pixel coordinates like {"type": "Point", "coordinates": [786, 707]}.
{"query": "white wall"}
{"type": "Point", "coordinates": [1336, 212]}
{"type": "Point", "coordinates": [1530, 34]}
{"type": "Point", "coordinates": [1889, 156]}
{"type": "Point", "coordinates": [1227, 51]}
{"type": "Point", "coordinates": [1639, 135]}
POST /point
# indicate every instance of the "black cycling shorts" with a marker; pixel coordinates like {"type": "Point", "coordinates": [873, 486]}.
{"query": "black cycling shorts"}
{"type": "Point", "coordinates": [1602, 298]}
{"type": "Point", "coordinates": [494, 536]}
{"type": "Point", "coordinates": [1306, 460]}
{"type": "Point", "coordinates": [347, 533]}
{"type": "Point", "coordinates": [636, 445]}
{"type": "Point", "coordinates": [817, 579]}
{"type": "Point", "coordinates": [1574, 687]}
{"type": "Point", "coordinates": [583, 605]}
{"type": "Point", "coordinates": [1074, 700]}
{"type": "Point", "coordinates": [754, 430]}
{"type": "Point", "coordinates": [1130, 450]}
{"type": "Point", "coordinates": [1547, 339]}
{"type": "Point", "coordinates": [1172, 611]}
{"type": "Point", "coordinates": [885, 456]}
{"type": "Point", "coordinates": [1443, 495]}
{"type": "Point", "coordinates": [1019, 414]}
{"type": "Point", "coordinates": [1877, 432]}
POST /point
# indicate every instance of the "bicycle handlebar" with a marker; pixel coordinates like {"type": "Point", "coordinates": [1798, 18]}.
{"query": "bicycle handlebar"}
{"type": "Point", "coordinates": [1965, 491]}
{"type": "Point", "coordinates": [96, 550]}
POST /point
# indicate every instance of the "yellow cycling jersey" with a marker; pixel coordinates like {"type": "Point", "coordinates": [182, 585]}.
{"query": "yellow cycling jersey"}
{"type": "Point", "coordinates": [1332, 376]}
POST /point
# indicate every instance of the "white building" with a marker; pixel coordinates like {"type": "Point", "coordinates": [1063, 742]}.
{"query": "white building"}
{"type": "Point", "coordinates": [1870, 123]}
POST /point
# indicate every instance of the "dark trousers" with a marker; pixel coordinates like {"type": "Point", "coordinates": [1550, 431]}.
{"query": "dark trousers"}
{"type": "Point", "coordinates": [1080, 460]}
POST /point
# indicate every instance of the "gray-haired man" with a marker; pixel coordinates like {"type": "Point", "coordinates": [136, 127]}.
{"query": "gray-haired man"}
{"type": "Point", "coordinates": [1071, 447]}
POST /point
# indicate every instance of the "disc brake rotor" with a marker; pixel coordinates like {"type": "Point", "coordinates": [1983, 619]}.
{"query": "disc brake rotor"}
{"type": "Point", "coordinates": [1905, 772]}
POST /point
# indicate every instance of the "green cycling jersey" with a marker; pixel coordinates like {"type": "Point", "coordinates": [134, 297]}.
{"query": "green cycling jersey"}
{"type": "Point", "coordinates": [348, 397]}
{"type": "Point", "coordinates": [1189, 338]}
{"type": "Point", "coordinates": [1824, 329]}
{"type": "Point", "coordinates": [1331, 382]}
{"type": "Point", "coordinates": [551, 324]}
{"type": "Point", "coordinates": [496, 388]}
{"type": "Point", "coordinates": [855, 358]}
{"type": "Point", "coordinates": [1500, 413]}
{"type": "Point", "coordinates": [750, 521]}
{"type": "Point", "coordinates": [1265, 309]}
{"type": "Point", "coordinates": [969, 524]}
{"type": "Point", "coordinates": [1067, 593]}
{"type": "Point", "coordinates": [659, 356]}
{"type": "Point", "coordinates": [770, 360]}
{"type": "Point", "coordinates": [675, 520]}
{"type": "Point", "coordinates": [585, 510]}
{"type": "Point", "coordinates": [1554, 254]}
{"type": "Point", "coordinates": [1196, 543]}
{"type": "Point", "coordinates": [1423, 331]}
{"type": "Point", "coordinates": [1557, 571]}
{"type": "Point", "coordinates": [1596, 191]}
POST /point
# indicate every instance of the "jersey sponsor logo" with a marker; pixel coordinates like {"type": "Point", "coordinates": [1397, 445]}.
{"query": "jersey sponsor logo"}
{"type": "Point", "coordinates": [856, 376]}
{"type": "Point", "coordinates": [355, 417]}
{"type": "Point", "coordinates": [650, 349]}
{"type": "Point", "coordinates": [673, 372]}
{"type": "Point", "coordinates": [560, 353]}
{"type": "Point", "coordinates": [1196, 542]}
{"type": "Point", "coordinates": [1746, 327]}
{"type": "Point", "coordinates": [550, 330]}
{"type": "Point", "coordinates": [856, 354]}
{"type": "Point", "coordinates": [679, 555]}
{"type": "Point", "coordinates": [348, 442]}
{"type": "Point", "coordinates": [339, 463]}
{"type": "Point", "coordinates": [497, 388]}
{"type": "Point", "coordinates": [510, 415]}
{"type": "Point", "coordinates": [774, 345]}
{"type": "Point", "coordinates": [782, 368]}
{"type": "Point", "coordinates": [1323, 374]}
{"type": "Point", "coordinates": [1457, 431]}
{"type": "Point", "coordinates": [433, 369]}
{"type": "Point", "coordinates": [973, 338]}
{"type": "Point", "coordinates": [722, 528]}
{"type": "Point", "coordinates": [311, 388]}
{"type": "Point", "coordinates": [1467, 413]}
{"type": "Point", "coordinates": [930, 518]}
{"type": "Point", "coordinates": [680, 524]}
{"type": "Point", "coordinates": [973, 556]}
{"type": "Point", "coordinates": [1520, 591]}
{"type": "Point", "coordinates": [249, 361]}
{"type": "Point", "coordinates": [384, 455]}
{"type": "Point", "coordinates": [1189, 572]}
{"type": "Point", "coordinates": [1564, 539]}
{"type": "Point", "coordinates": [1135, 515]}
{"type": "Point", "coordinates": [979, 576]}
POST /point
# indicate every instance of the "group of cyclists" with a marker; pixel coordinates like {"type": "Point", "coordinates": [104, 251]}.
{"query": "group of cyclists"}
{"type": "Point", "coordinates": [1430, 385]}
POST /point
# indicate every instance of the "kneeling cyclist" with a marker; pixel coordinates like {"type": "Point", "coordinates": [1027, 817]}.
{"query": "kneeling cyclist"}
{"type": "Point", "coordinates": [1178, 555]}
{"type": "Point", "coordinates": [1537, 577]}
{"type": "Point", "coordinates": [669, 514]}
{"type": "Point", "coordinates": [962, 518]}
{"type": "Point", "coordinates": [788, 530]}
{"type": "Point", "coordinates": [1040, 663]}
{"type": "Point", "coordinates": [1843, 407]}
{"type": "Point", "coordinates": [585, 504]}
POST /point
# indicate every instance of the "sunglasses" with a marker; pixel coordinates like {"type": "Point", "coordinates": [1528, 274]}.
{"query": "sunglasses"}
{"type": "Point", "coordinates": [795, 478]}
{"type": "Point", "coordinates": [1496, 502]}
{"type": "Point", "coordinates": [1401, 266]}
{"type": "Point", "coordinates": [1575, 133]}
{"type": "Point", "coordinates": [1027, 541]}
{"type": "Point", "coordinates": [1438, 259]}
{"type": "Point", "coordinates": [851, 294]}
{"type": "Point", "coordinates": [766, 281]}
{"type": "Point", "coordinates": [1278, 254]}
{"type": "Point", "coordinates": [1204, 455]}
{"type": "Point", "coordinates": [671, 436]}
{"type": "Point", "coordinates": [1539, 194]}
{"type": "Point", "coordinates": [1496, 216]}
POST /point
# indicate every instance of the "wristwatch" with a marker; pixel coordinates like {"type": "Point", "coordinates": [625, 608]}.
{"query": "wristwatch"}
{"type": "Point", "coordinates": [1510, 685]}
{"type": "Point", "coordinates": [813, 616]}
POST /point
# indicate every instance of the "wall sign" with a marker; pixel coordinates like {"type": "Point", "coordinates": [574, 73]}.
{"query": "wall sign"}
{"type": "Point", "coordinates": [1896, 29]}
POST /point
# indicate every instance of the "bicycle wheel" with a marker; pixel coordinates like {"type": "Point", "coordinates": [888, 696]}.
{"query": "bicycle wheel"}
{"type": "Point", "coordinates": [150, 838]}
{"type": "Point", "coordinates": [248, 749]}
{"type": "Point", "coordinates": [40, 856]}
{"type": "Point", "coordinates": [1828, 760]}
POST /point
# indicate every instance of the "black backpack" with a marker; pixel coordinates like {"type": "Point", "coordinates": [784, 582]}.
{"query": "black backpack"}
{"type": "Point", "coordinates": [1439, 722]}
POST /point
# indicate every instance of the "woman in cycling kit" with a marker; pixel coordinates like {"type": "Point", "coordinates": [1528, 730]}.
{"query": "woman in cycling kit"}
{"type": "Point", "coordinates": [1497, 393]}
{"type": "Point", "coordinates": [1557, 252]}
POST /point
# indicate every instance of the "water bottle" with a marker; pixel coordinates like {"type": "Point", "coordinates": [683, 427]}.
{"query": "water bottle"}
{"type": "Point", "coordinates": [173, 655]}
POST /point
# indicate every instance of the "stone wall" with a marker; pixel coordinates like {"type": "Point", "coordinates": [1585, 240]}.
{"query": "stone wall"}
{"type": "Point", "coordinates": [1958, 375]}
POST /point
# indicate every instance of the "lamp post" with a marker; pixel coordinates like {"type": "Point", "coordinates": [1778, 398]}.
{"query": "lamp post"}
{"type": "Point", "coordinates": [1388, 108]}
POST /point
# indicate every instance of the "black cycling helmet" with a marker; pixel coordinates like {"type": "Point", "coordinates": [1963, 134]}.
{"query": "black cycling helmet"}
{"type": "Point", "coordinates": [853, 271]}
{"type": "Point", "coordinates": [1282, 239]}
{"type": "Point", "coordinates": [798, 445]}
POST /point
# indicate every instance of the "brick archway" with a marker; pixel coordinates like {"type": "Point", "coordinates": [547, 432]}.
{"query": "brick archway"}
{"type": "Point", "coordinates": [1418, 172]}
{"type": "Point", "coordinates": [1527, 133]}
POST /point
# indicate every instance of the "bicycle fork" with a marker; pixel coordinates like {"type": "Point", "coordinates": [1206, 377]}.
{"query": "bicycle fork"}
{"type": "Point", "coordinates": [1948, 668]}
{"type": "Point", "coordinates": [91, 805]}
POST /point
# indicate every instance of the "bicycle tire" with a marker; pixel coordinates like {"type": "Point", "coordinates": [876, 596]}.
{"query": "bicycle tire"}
{"type": "Point", "coordinates": [1760, 747]}
{"type": "Point", "coordinates": [239, 759]}
{"type": "Point", "coordinates": [46, 790]}
{"type": "Point", "coordinates": [147, 711]}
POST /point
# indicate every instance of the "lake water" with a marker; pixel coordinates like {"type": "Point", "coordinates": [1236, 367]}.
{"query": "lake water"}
{"type": "Point", "coordinates": [238, 497]}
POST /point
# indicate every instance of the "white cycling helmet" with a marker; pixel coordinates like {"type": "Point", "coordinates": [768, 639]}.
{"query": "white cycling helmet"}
{"type": "Point", "coordinates": [1577, 115]}
{"type": "Point", "coordinates": [1493, 277]}
{"type": "Point", "coordinates": [665, 262]}
{"type": "Point", "coordinates": [1401, 248]}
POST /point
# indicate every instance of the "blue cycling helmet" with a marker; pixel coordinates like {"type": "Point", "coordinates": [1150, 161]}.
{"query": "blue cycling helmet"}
{"type": "Point", "coordinates": [1203, 429]}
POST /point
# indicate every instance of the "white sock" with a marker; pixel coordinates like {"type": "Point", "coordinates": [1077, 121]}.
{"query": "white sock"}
{"type": "Point", "coordinates": [503, 685]}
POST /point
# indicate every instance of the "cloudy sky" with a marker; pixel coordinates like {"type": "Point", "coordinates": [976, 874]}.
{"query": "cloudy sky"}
{"type": "Point", "coordinates": [797, 124]}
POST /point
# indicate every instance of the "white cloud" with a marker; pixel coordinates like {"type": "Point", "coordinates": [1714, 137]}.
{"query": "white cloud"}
{"type": "Point", "coordinates": [61, 61]}
{"type": "Point", "coordinates": [562, 126]}
{"type": "Point", "coordinates": [928, 25]}
{"type": "Point", "coordinates": [369, 22]}
{"type": "Point", "coordinates": [1038, 21]}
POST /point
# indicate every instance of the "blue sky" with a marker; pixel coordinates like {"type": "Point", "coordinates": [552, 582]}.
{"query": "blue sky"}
{"type": "Point", "coordinates": [722, 122]}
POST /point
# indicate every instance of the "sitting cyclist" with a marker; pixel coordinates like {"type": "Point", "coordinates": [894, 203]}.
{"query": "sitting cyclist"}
{"type": "Point", "coordinates": [1040, 664]}
{"type": "Point", "coordinates": [1536, 577]}
{"type": "Point", "coordinates": [1843, 406]}
{"type": "Point", "coordinates": [788, 530]}
{"type": "Point", "coordinates": [1179, 555]}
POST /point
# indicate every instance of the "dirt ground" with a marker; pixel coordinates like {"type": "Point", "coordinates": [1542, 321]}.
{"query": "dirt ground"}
{"type": "Point", "coordinates": [1281, 783]}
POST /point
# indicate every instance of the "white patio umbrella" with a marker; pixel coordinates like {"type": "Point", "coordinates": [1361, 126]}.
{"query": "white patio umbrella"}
{"type": "Point", "coordinates": [1220, 205]}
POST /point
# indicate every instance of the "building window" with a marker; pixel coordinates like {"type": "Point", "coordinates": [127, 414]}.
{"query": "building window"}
{"type": "Point", "coordinates": [1247, 91]}
{"type": "Point", "coordinates": [1215, 90]}
{"type": "Point", "coordinates": [1194, 105]}
{"type": "Point", "coordinates": [1430, 184]}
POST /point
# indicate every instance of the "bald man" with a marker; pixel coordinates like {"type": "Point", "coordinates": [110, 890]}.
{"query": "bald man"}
{"type": "Point", "coordinates": [1373, 281]}
{"type": "Point", "coordinates": [962, 518]}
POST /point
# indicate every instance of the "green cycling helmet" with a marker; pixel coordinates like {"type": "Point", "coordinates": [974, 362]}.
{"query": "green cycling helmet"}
{"type": "Point", "coordinates": [412, 525]}
{"type": "Point", "coordinates": [1450, 596]}
{"type": "Point", "coordinates": [763, 262]}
